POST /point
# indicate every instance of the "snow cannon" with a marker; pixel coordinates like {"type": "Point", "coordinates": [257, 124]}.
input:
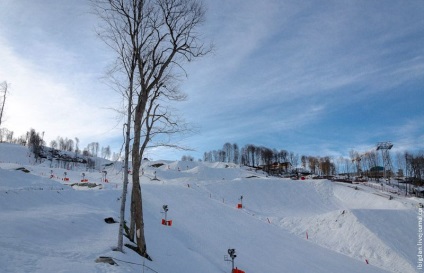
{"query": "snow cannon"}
{"type": "Point", "coordinates": [166, 222]}
{"type": "Point", "coordinates": [65, 178]}
{"type": "Point", "coordinates": [83, 178]}
{"type": "Point", "coordinates": [232, 253]}
{"type": "Point", "coordinates": [240, 205]}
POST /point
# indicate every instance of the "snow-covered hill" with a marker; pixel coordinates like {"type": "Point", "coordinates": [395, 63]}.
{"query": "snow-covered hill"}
{"type": "Point", "coordinates": [47, 225]}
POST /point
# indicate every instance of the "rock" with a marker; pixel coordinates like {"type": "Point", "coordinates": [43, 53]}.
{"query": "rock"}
{"type": "Point", "coordinates": [107, 260]}
{"type": "Point", "coordinates": [110, 220]}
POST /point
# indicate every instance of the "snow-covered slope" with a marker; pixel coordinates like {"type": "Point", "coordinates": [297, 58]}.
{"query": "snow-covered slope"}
{"type": "Point", "coordinates": [49, 226]}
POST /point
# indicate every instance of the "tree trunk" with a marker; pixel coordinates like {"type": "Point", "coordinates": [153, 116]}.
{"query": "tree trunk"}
{"type": "Point", "coordinates": [125, 184]}
{"type": "Point", "coordinates": [136, 191]}
{"type": "Point", "coordinates": [132, 220]}
{"type": "Point", "coordinates": [4, 84]}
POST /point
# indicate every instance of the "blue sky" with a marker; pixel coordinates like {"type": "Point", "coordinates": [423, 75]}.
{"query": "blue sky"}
{"type": "Point", "coordinates": [312, 77]}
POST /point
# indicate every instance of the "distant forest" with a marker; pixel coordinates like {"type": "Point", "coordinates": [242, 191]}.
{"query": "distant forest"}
{"type": "Point", "coordinates": [260, 156]}
{"type": "Point", "coordinates": [405, 165]}
{"type": "Point", "coordinates": [35, 141]}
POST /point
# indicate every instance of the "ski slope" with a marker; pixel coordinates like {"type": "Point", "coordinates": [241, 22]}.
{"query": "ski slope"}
{"type": "Point", "coordinates": [49, 226]}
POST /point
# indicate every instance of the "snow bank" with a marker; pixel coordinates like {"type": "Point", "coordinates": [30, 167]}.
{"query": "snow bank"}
{"type": "Point", "coordinates": [13, 153]}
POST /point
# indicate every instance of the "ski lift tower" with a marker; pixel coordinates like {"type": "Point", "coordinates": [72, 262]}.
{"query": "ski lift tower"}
{"type": "Point", "coordinates": [385, 147]}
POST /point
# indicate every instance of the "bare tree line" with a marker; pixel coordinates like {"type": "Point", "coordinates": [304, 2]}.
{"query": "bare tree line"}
{"type": "Point", "coordinates": [368, 164]}
{"type": "Point", "coordinates": [414, 167]}
{"type": "Point", "coordinates": [7, 136]}
{"type": "Point", "coordinates": [250, 155]}
{"type": "Point", "coordinates": [33, 138]}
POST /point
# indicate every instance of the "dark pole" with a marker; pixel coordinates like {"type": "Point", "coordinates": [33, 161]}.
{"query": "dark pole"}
{"type": "Point", "coordinates": [232, 253]}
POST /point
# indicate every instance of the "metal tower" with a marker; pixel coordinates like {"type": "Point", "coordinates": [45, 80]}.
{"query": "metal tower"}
{"type": "Point", "coordinates": [385, 147]}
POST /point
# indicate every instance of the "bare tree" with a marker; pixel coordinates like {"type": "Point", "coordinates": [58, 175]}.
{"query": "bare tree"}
{"type": "Point", "coordinates": [152, 39]}
{"type": "Point", "coordinates": [69, 145]}
{"type": "Point", "coordinates": [313, 164]}
{"type": "Point", "coordinates": [326, 166]}
{"type": "Point", "coordinates": [53, 144]}
{"type": "Point", "coordinates": [3, 93]}
{"type": "Point", "coordinates": [228, 149]}
{"type": "Point", "coordinates": [347, 166]}
{"type": "Point", "coordinates": [105, 152]}
{"type": "Point", "coordinates": [266, 157]}
{"type": "Point", "coordinates": [304, 160]}
{"type": "Point", "coordinates": [122, 76]}
{"type": "Point", "coordinates": [236, 153]}
{"type": "Point", "coordinates": [76, 147]}
{"type": "Point", "coordinates": [293, 159]}
{"type": "Point", "coordinates": [9, 136]}
{"type": "Point", "coordinates": [35, 144]}
{"type": "Point", "coordinates": [6, 135]}
{"type": "Point", "coordinates": [400, 161]}
{"type": "Point", "coordinates": [95, 149]}
{"type": "Point", "coordinates": [370, 162]}
{"type": "Point", "coordinates": [251, 151]}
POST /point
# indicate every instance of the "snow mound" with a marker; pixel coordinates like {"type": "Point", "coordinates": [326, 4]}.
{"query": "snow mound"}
{"type": "Point", "coordinates": [16, 179]}
{"type": "Point", "coordinates": [271, 197]}
{"type": "Point", "coordinates": [363, 234]}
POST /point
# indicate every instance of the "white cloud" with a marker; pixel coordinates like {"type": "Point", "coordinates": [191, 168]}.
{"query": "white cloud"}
{"type": "Point", "coordinates": [409, 135]}
{"type": "Point", "coordinates": [42, 100]}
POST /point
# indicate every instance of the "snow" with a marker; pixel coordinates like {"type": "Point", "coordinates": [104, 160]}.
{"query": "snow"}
{"type": "Point", "coordinates": [50, 226]}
